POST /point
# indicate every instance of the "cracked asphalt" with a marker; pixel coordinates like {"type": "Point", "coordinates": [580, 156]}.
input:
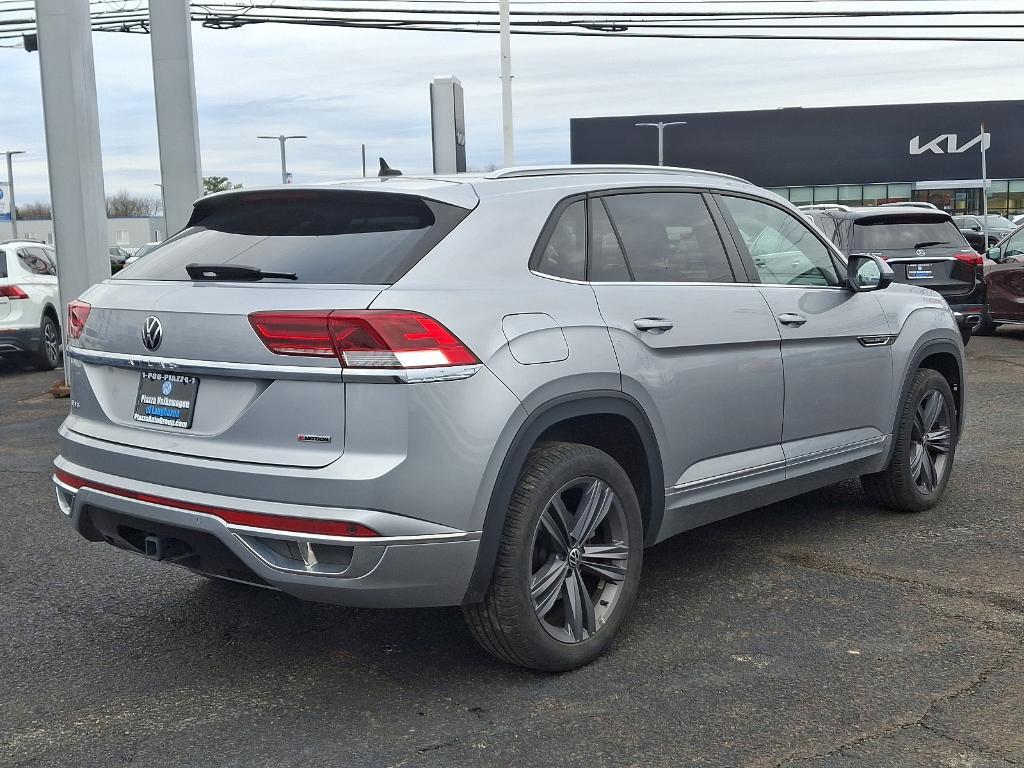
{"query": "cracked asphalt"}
{"type": "Point", "coordinates": [816, 632]}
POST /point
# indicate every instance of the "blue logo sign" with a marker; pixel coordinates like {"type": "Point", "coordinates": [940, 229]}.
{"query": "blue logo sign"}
{"type": "Point", "coordinates": [166, 388]}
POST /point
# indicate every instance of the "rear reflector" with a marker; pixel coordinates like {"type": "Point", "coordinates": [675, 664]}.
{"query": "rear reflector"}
{"type": "Point", "coordinates": [78, 313]}
{"type": "Point", "coordinates": [372, 338]}
{"type": "Point", "coordinates": [12, 292]}
{"type": "Point", "coordinates": [231, 516]}
{"type": "Point", "coordinates": [970, 257]}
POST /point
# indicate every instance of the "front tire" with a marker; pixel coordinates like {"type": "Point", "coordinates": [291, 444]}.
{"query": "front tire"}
{"type": "Point", "coordinates": [47, 356]}
{"type": "Point", "coordinates": [925, 443]}
{"type": "Point", "coordinates": [568, 562]}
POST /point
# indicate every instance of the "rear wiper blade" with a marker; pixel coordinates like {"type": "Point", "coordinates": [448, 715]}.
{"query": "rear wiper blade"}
{"type": "Point", "coordinates": [926, 243]}
{"type": "Point", "coordinates": [239, 272]}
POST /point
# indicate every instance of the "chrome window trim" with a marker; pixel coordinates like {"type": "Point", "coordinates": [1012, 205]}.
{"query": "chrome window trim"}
{"type": "Point", "coordinates": [271, 371]}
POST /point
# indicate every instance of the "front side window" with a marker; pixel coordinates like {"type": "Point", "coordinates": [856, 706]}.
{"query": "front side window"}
{"type": "Point", "coordinates": [669, 237]}
{"type": "Point", "coordinates": [784, 249]}
{"type": "Point", "coordinates": [1014, 247]}
{"type": "Point", "coordinates": [565, 254]}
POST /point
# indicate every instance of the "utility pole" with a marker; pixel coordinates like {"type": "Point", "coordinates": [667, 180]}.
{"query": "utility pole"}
{"type": "Point", "coordinates": [364, 161]}
{"type": "Point", "coordinates": [661, 136]}
{"type": "Point", "coordinates": [10, 191]}
{"type": "Point", "coordinates": [505, 33]}
{"type": "Point", "coordinates": [284, 165]}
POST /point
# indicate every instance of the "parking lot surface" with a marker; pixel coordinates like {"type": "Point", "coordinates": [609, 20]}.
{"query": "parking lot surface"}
{"type": "Point", "coordinates": [816, 632]}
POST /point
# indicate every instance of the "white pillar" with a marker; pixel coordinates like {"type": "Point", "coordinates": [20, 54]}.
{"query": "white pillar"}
{"type": "Point", "coordinates": [177, 123]}
{"type": "Point", "coordinates": [505, 33]}
{"type": "Point", "coordinates": [73, 144]}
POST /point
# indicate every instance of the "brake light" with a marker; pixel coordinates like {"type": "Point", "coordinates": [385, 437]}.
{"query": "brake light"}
{"type": "Point", "coordinates": [12, 292]}
{"type": "Point", "coordinates": [970, 257]}
{"type": "Point", "coordinates": [232, 516]}
{"type": "Point", "coordinates": [372, 338]}
{"type": "Point", "coordinates": [78, 313]}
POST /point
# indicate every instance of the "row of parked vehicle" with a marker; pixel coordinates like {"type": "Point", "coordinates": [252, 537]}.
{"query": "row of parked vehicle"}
{"type": "Point", "coordinates": [983, 281]}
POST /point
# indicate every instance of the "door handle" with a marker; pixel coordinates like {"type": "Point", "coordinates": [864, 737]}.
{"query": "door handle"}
{"type": "Point", "coordinates": [653, 325]}
{"type": "Point", "coordinates": [792, 319]}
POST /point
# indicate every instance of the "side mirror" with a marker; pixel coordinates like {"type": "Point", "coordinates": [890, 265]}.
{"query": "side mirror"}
{"type": "Point", "coordinates": [995, 254]}
{"type": "Point", "coordinates": [867, 273]}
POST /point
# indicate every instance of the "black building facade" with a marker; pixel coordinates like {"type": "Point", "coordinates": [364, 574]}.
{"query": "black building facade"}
{"type": "Point", "coordinates": [852, 155]}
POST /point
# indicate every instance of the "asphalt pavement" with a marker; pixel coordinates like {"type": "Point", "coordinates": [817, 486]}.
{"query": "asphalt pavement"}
{"type": "Point", "coordinates": [815, 632]}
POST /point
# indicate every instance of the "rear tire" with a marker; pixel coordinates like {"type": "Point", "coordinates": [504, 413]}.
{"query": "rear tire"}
{"type": "Point", "coordinates": [925, 443]}
{"type": "Point", "coordinates": [568, 562]}
{"type": "Point", "coordinates": [47, 356]}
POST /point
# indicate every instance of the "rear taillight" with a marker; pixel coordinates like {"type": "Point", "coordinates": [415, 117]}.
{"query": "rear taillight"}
{"type": "Point", "coordinates": [78, 313]}
{"type": "Point", "coordinates": [12, 292]}
{"type": "Point", "coordinates": [970, 257]}
{"type": "Point", "coordinates": [372, 338]}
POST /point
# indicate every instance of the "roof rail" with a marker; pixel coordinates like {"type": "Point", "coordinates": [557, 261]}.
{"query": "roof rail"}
{"type": "Point", "coordinates": [568, 170]}
{"type": "Point", "coordinates": [22, 240]}
{"type": "Point", "coordinates": [825, 207]}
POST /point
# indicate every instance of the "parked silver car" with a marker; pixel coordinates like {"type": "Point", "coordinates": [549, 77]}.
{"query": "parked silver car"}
{"type": "Point", "coordinates": [493, 391]}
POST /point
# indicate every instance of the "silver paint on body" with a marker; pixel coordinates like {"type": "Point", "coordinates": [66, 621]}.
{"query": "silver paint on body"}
{"type": "Point", "coordinates": [744, 405]}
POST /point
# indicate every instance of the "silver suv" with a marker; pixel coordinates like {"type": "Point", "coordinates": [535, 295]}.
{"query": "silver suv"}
{"type": "Point", "coordinates": [492, 391]}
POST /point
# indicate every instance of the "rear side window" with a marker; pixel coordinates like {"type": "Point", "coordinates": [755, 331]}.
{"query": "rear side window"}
{"type": "Point", "coordinates": [905, 233]}
{"type": "Point", "coordinates": [3, 263]}
{"type": "Point", "coordinates": [669, 237]}
{"type": "Point", "coordinates": [565, 254]}
{"type": "Point", "coordinates": [330, 236]}
{"type": "Point", "coordinates": [35, 261]}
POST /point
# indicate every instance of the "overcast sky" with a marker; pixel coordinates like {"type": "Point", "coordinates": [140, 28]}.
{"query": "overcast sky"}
{"type": "Point", "coordinates": [345, 87]}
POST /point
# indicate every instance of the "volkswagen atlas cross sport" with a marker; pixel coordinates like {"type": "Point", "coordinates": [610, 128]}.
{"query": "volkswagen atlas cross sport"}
{"type": "Point", "coordinates": [492, 391]}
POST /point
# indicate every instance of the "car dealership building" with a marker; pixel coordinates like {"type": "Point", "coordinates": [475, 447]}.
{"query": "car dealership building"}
{"type": "Point", "coordinates": [849, 155]}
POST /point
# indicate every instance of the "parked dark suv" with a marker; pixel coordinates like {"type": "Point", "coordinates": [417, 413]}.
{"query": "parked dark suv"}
{"type": "Point", "coordinates": [923, 248]}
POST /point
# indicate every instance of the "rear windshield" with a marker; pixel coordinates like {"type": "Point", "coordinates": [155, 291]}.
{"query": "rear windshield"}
{"type": "Point", "coordinates": [906, 232]}
{"type": "Point", "coordinates": [334, 236]}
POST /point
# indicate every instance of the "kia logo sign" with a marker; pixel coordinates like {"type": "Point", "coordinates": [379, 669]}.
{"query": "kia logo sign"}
{"type": "Point", "coordinates": [948, 144]}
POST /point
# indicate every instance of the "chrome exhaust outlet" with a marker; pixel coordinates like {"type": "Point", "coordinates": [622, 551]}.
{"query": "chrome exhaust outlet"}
{"type": "Point", "coordinates": [972, 320]}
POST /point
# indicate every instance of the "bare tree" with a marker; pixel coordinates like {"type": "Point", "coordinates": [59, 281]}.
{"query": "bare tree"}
{"type": "Point", "coordinates": [35, 211]}
{"type": "Point", "coordinates": [124, 203]}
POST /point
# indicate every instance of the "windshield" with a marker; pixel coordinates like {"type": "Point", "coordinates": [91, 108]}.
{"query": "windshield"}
{"type": "Point", "coordinates": [905, 233]}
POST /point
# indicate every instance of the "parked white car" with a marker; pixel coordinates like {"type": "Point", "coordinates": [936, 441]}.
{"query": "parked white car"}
{"type": "Point", "coordinates": [139, 253]}
{"type": "Point", "coordinates": [29, 315]}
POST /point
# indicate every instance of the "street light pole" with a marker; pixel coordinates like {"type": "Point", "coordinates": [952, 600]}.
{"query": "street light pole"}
{"type": "Point", "coordinates": [284, 165]}
{"type": "Point", "coordinates": [661, 136]}
{"type": "Point", "coordinates": [10, 191]}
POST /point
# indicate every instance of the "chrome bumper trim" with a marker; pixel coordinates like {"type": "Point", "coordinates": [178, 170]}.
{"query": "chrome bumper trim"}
{"type": "Point", "coordinates": [268, 371]}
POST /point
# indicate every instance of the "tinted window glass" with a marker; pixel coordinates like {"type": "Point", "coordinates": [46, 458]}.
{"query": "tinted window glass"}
{"type": "Point", "coordinates": [826, 224]}
{"type": "Point", "coordinates": [565, 254]}
{"type": "Point", "coordinates": [323, 237]}
{"type": "Point", "coordinates": [3, 263]}
{"type": "Point", "coordinates": [905, 233]}
{"type": "Point", "coordinates": [669, 237]}
{"type": "Point", "coordinates": [607, 264]}
{"type": "Point", "coordinates": [783, 248]}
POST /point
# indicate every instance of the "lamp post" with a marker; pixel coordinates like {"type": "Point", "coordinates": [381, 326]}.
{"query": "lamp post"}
{"type": "Point", "coordinates": [661, 136]}
{"type": "Point", "coordinates": [284, 166]}
{"type": "Point", "coordinates": [505, 38]}
{"type": "Point", "coordinates": [10, 191]}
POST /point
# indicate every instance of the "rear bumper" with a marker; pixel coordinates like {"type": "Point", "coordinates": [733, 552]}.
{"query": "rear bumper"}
{"type": "Point", "coordinates": [18, 341]}
{"type": "Point", "coordinates": [412, 564]}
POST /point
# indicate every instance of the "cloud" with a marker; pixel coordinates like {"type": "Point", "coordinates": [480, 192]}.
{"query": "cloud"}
{"type": "Point", "coordinates": [344, 87]}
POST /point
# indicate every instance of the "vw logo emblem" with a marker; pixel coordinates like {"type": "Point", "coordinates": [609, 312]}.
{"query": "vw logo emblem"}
{"type": "Point", "coordinates": [166, 388]}
{"type": "Point", "coordinates": [574, 557]}
{"type": "Point", "coordinates": [152, 333]}
{"type": "Point", "coordinates": [919, 252]}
